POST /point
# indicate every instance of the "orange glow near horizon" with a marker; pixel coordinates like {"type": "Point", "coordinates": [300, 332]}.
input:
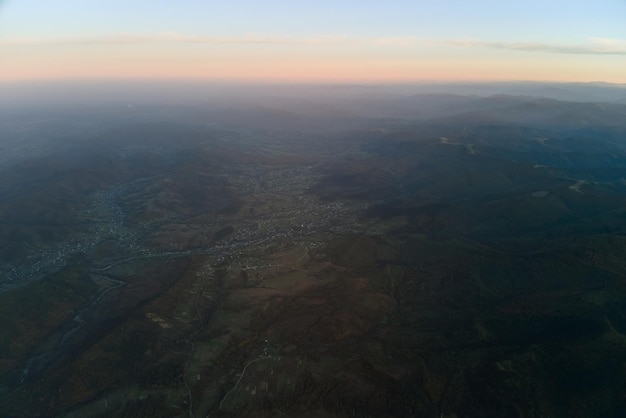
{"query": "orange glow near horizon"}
{"type": "Point", "coordinates": [292, 64]}
{"type": "Point", "coordinates": [377, 42]}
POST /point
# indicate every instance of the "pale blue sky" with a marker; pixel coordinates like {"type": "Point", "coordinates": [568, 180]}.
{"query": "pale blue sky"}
{"type": "Point", "coordinates": [548, 27]}
{"type": "Point", "coordinates": [488, 20]}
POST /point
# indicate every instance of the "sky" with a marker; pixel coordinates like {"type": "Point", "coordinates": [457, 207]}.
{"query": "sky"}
{"type": "Point", "coordinates": [314, 41]}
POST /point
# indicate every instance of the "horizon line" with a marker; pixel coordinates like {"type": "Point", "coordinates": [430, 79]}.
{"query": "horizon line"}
{"type": "Point", "coordinates": [244, 82]}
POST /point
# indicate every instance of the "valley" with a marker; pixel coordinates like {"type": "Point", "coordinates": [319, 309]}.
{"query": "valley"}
{"type": "Point", "coordinates": [373, 267]}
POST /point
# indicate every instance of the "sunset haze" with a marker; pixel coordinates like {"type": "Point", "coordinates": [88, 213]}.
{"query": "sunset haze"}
{"type": "Point", "coordinates": [279, 41]}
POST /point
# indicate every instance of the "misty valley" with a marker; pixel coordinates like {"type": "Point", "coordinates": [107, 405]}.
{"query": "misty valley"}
{"type": "Point", "coordinates": [330, 251]}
